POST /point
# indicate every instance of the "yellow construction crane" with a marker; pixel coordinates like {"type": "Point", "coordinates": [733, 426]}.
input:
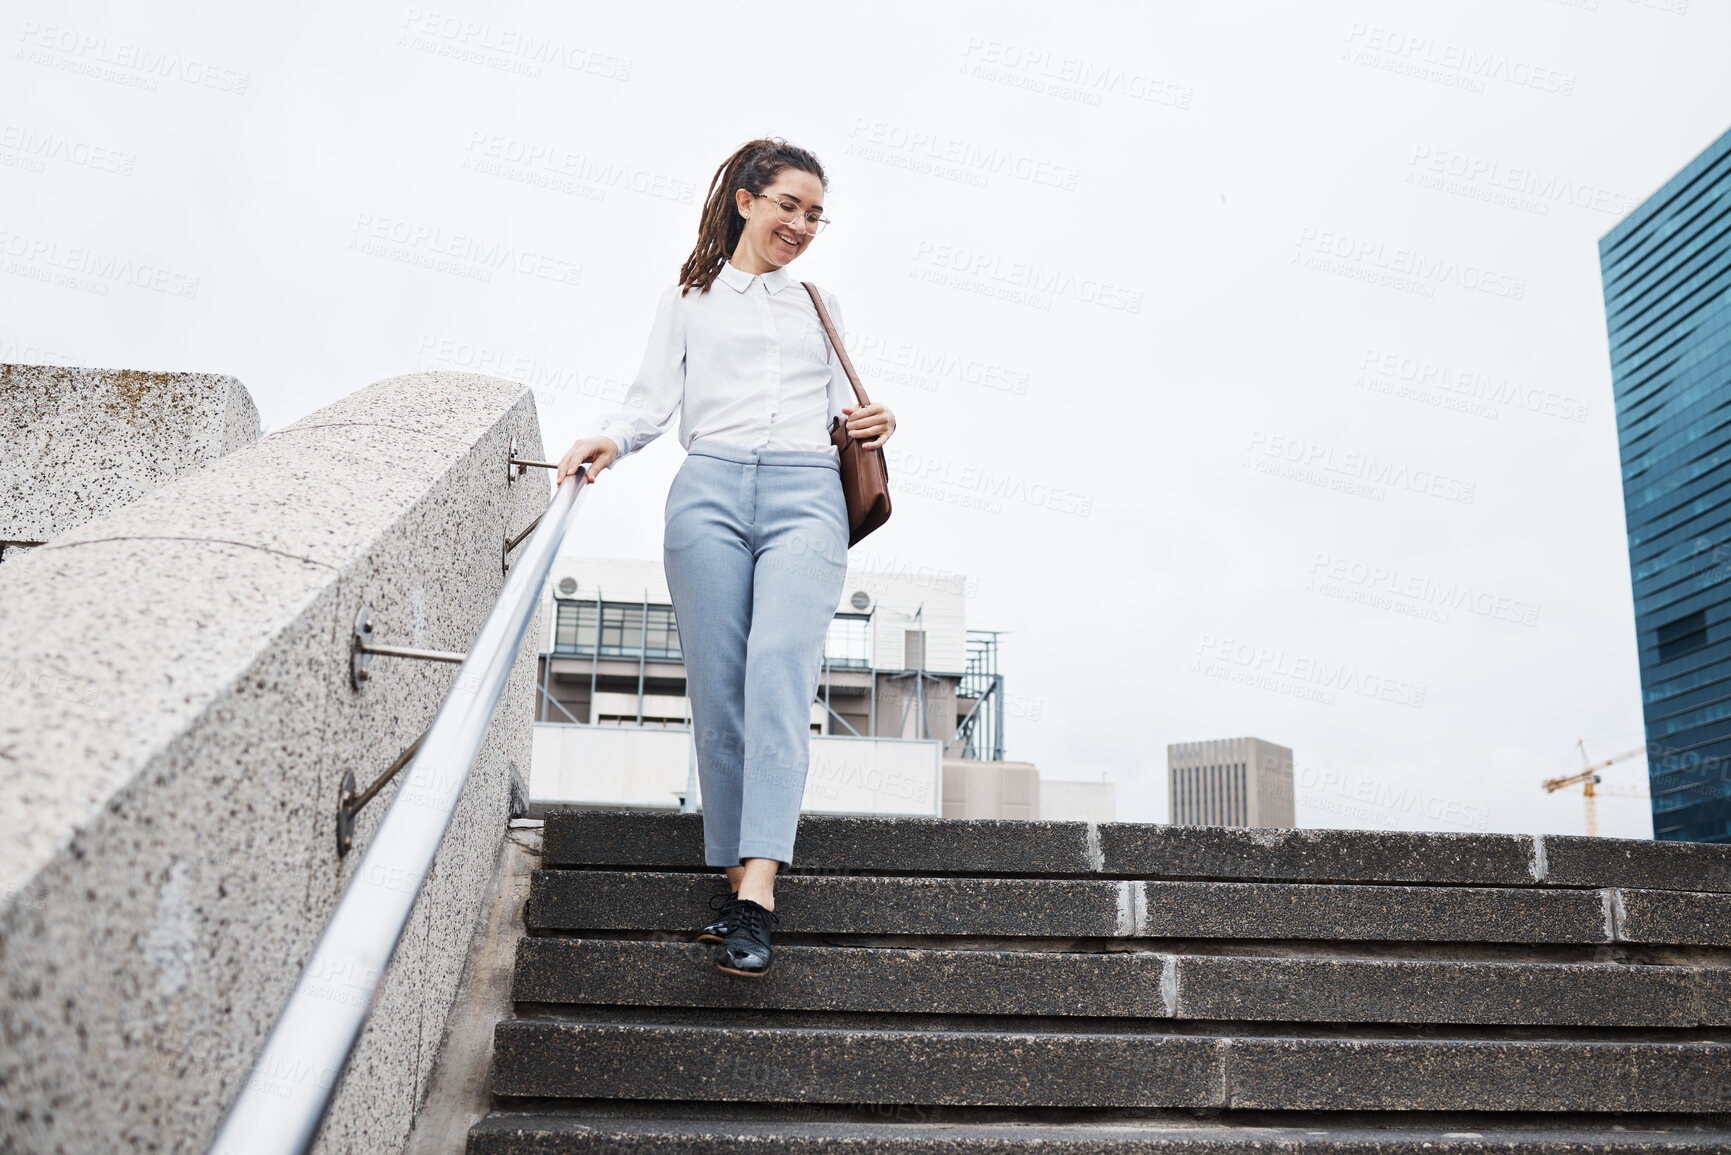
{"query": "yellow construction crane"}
{"type": "Point", "coordinates": [1588, 780]}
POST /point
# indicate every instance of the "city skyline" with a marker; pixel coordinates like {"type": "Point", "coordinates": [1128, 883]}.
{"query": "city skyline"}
{"type": "Point", "coordinates": [1284, 416]}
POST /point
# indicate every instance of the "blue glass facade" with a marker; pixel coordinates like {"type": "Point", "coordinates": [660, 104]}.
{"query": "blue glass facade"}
{"type": "Point", "coordinates": [1667, 275]}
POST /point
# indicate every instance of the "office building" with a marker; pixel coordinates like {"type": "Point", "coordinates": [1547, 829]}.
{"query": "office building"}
{"type": "Point", "coordinates": [1230, 782]}
{"type": "Point", "coordinates": [1667, 280]}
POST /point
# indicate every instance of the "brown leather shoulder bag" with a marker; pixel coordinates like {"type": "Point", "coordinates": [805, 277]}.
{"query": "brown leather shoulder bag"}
{"type": "Point", "coordinates": [865, 475]}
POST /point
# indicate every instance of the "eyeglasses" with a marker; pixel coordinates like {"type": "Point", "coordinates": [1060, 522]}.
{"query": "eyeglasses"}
{"type": "Point", "coordinates": [789, 212]}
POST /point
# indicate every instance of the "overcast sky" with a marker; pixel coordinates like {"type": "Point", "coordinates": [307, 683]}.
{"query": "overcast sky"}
{"type": "Point", "coordinates": [1249, 358]}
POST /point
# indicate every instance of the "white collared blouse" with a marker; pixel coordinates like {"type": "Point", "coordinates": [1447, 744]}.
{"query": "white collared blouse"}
{"type": "Point", "coordinates": [746, 364]}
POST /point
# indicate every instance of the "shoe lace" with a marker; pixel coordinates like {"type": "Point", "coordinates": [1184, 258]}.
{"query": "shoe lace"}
{"type": "Point", "coordinates": [720, 899]}
{"type": "Point", "coordinates": [747, 915]}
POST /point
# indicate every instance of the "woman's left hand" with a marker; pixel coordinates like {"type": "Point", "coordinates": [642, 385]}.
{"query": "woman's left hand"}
{"type": "Point", "coordinates": [871, 424]}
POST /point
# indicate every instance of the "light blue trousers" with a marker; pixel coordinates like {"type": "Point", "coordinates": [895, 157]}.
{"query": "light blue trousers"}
{"type": "Point", "coordinates": [756, 554]}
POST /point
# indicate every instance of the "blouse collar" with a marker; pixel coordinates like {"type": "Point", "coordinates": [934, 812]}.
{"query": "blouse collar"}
{"type": "Point", "coordinates": [739, 280]}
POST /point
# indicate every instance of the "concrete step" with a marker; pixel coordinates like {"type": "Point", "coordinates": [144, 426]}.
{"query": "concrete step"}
{"type": "Point", "coordinates": [831, 842]}
{"type": "Point", "coordinates": [551, 1059]}
{"type": "Point", "coordinates": [1147, 850]}
{"type": "Point", "coordinates": [871, 1130]}
{"type": "Point", "coordinates": [1089, 908]}
{"type": "Point", "coordinates": [572, 971]}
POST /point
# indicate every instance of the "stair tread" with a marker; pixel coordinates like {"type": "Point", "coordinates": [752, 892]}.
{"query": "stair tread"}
{"type": "Point", "coordinates": [556, 1058]}
{"type": "Point", "coordinates": [495, 1134]}
{"type": "Point", "coordinates": [1079, 908]}
{"type": "Point", "coordinates": [1016, 847]}
{"type": "Point", "coordinates": [554, 970]}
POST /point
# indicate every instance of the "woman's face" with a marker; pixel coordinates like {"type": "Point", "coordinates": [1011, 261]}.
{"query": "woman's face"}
{"type": "Point", "coordinates": [766, 240]}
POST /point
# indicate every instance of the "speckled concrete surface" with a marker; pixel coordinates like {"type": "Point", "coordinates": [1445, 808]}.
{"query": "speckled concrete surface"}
{"type": "Point", "coordinates": [1468, 1075]}
{"type": "Point", "coordinates": [77, 443]}
{"type": "Point", "coordinates": [861, 904]}
{"type": "Point", "coordinates": [1672, 916]}
{"type": "Point", "coordinates": [541, 1058]}
{"type": "Point", "coordinates": [883, 1130]}
{"type": "Point", "coordinates": [953, 982]}
{"type": "Point", "coordinates": [1425, 991]}
{"type": "Point", "coordinates": [175, 725]}
{"type": "Point", "coordinates": [1576, 860]}
{"type": "Point", "coordinates": [1220, 988]}
{"type": "Point", "coordinates": [1151, 851]}
{"type": "Point", "coordinates": [544, 1058]}
{"type": "Point", "coordinates": [624, 900]}
{"type": "Point", "coordinates": [1156, 851]}
{"type": "Point", "coordinates": [832, 842]}
{"type": "Point", "coordinates": [1400, 913]}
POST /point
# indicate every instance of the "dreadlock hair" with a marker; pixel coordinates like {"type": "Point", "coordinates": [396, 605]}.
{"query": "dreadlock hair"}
{"type": "Point", "coordinates": [752, 167]}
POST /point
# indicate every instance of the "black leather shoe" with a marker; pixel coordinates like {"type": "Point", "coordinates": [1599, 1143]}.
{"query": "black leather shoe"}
{"type": "Point", "coordinates": [745, 950]}
{"type": "Point", "coordinates": [717, 930]}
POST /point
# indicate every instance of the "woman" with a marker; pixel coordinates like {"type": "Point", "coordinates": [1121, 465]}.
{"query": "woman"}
{"type": "Point", "coordinates": [756, 538]}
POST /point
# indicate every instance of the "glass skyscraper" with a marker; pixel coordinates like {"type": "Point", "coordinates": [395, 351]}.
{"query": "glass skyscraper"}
{"type": "Point", "coordinates": [1667, 274]}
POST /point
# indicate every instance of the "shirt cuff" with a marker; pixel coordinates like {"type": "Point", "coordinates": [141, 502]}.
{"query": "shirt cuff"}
{"type": "Point", "coordinates": [618, 443]}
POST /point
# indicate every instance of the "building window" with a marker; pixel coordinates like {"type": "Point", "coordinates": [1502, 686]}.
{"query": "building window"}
{"type": "Point", "coordinates": [849, 641]}
{"type": "Point", "coordinates": [1683, 635]}
{"type": "Point", "coordinates": [627, 630]}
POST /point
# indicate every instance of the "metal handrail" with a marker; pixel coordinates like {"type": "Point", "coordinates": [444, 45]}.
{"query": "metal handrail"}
{"type": "Point", "coordinates": [279, 1109]}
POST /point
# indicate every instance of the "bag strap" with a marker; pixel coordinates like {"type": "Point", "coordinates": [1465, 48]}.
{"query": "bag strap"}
{"type": "Point", "coordinates": [835, 343]}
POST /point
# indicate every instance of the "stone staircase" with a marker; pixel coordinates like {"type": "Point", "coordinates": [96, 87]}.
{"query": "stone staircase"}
{"type": "Point", "coordinates": [982, 986]}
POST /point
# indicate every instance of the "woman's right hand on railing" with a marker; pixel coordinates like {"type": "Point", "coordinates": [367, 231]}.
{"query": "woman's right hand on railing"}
{"type": "Point", "coordinates": [599, 452]}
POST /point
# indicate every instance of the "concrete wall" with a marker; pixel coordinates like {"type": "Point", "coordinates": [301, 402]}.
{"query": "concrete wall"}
{"type": "Point", "coordinates": [579, 765]}
{"type": "Point", "coordinates": [174, 724]}
{"type": "Point", "coordinates": [1078, 801]}
{"type": "Point", "coordinates": [77, 443]}
{"type": "Point", "coordinates": [990, 789]}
